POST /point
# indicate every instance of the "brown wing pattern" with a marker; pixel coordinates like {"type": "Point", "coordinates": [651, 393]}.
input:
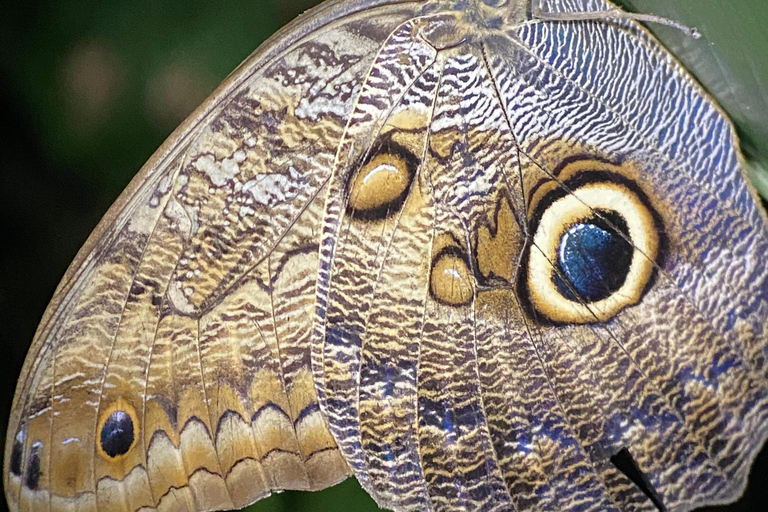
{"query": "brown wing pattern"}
{"type": "Point", "coordinates": [171, 371]}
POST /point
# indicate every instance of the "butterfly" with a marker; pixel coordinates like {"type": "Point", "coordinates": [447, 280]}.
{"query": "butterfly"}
{"type": "Point", "coordinates": [469, 255]}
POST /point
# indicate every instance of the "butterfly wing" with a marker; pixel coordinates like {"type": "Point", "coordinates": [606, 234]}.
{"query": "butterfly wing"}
{"type": "Point", "coordinates": [171, 370]}
{"type": "Point", "coordinates": [541, 284]}
{"type": "Point", "coordinates": [520, 290]}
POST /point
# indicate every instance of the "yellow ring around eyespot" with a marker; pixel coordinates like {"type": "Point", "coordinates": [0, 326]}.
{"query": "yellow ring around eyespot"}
{"type": "Point", "coordinates": [379, 182]}
{"type": "Point", "coordinates": [580, 206]}
{"type": "Point", "coordinates": [118, 405]}
{"type": "Point", "coordinates": [451, 280]}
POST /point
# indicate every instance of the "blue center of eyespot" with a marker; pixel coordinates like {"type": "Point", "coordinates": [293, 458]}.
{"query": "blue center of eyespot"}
{"type": "Point", "coordinates": [594, 257]}
{"type": "Point", "coordinates": [117, 434]}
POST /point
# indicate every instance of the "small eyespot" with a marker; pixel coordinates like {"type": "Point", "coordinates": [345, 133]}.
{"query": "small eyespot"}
{"type": "Point", "coordinates": [117, 434]}
{"type": "Point", "coordinates": [379, 182]}
{"type": "Point", "coordinates": [16, 453]}
{"type": "Point", "coordinates": [32, 479]}
{"type": "Point", "coordinates": [451, 281]}
{"type": "Point", "coordinates": [594, 250]}
{"type": "Point", "coordinates": [118, 430]}
{"type": "Point", "coordinates": [380, 186]}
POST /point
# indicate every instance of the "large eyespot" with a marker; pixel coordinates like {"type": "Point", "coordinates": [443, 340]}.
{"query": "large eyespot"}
{"type": "Point", "coordinates": [380, 186]}
{"type": "Point", "coordinates": [118, 430]}
{"type": "Point", "coordinates": [593, 251]}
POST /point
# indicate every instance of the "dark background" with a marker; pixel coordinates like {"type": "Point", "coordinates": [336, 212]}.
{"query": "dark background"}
{"type": "Point", "coordinates": [90, 88]}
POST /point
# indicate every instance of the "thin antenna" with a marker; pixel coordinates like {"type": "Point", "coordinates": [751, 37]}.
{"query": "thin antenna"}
{"type": "Point", "coordinates": [609, 14]}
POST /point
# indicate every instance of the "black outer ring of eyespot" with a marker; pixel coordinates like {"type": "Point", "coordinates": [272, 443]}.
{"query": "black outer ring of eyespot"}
{"type": "Point", "coordinates": [388, 146]}
{"type": "Point", "coordinates": [582, 178]}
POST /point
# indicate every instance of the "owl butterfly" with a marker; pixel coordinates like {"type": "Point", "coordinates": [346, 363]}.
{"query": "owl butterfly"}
{"type": "Point", "coordinates": [480, 259]}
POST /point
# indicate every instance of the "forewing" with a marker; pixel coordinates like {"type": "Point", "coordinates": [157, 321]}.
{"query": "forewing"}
{"type": "Point", "coordinates": [171, 370]}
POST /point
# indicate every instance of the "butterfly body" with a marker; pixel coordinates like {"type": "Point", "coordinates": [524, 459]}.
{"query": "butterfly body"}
{"type": "Point", "coordinates": [473, 259]}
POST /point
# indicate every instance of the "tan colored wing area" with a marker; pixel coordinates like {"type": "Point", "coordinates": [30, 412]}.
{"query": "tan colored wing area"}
{"type": "Point", "coordinates": [172, 369]}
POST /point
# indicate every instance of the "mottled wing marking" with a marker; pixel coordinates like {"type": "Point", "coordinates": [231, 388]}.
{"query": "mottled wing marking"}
{"type": "Point", "coordinates": [392, 91]}
{"type": "Point", "coordinates": [174, 370]}
{"type": "Point", "coordinates": [711, 349]}
{"type": "Point", "coordinates": [624, 345]}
